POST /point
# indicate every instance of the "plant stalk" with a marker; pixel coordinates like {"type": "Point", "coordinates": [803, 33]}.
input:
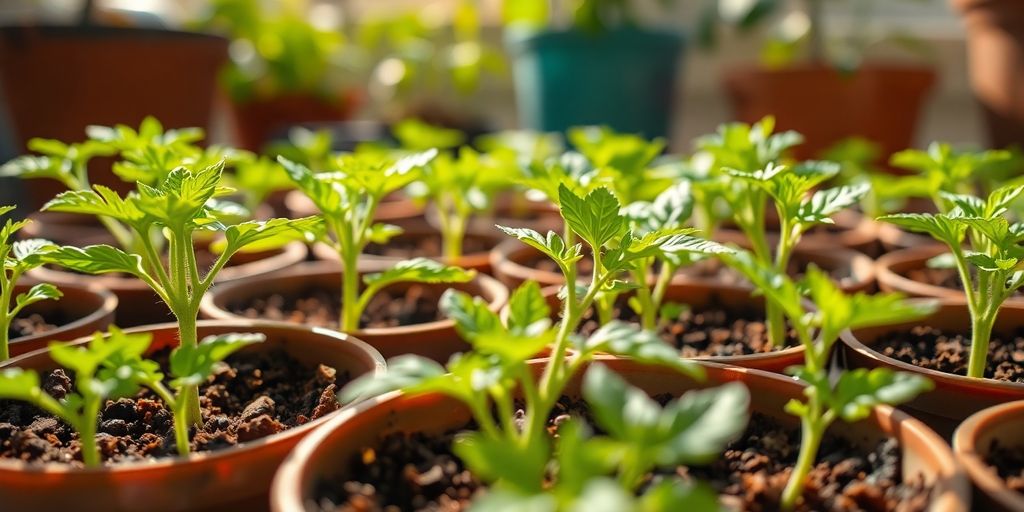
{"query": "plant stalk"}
{"type": "Point", "coordinates": [87, 433]}
{"type": "Point", "coordinates": [349, 317]}
{"type": "Point", "coordinates": [810, 440]}
{"type": "Point", "coordinates": [981, 334]}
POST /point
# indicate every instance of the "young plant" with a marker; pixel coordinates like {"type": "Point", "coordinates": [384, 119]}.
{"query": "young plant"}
{"type": "Point", "coordinates": [792, 190]}
{"type": "Point", "coordinates": [942, 169]}
{"type": "Point", "coordinates": [989, 264]}
{"type": "Point", "coordinates": [348, 200]}
{"type": "Point", "coordinates": [626, 159]}
{"type": "Point", "coordinates": [852, 395]}
{"type": "Point", "coordinates": [171, 213]}
{"type": "Point", "coordinates": [19, 257]}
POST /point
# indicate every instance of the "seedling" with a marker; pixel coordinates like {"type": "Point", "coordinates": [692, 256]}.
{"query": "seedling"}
{"type": "Point", "coordinates": [942, 169]}
{"type": "Point", "coordinates": [791, 189]}
{"type": "Point", "coordinates": [852, 395]}
{"type": "Point", "coordinates": [19, 257]}
{"type": "Point", "coordinates": [625, 158]}
{"type": "Point", "coordinates": [988, 266]}
{"type": "Point", "coordinates": [348, 200]}
{"type": "Point", "coordinates": [172, 211]}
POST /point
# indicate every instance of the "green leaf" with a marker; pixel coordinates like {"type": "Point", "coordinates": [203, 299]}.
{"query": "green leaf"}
{"type": "Point", "coordinates": [19, 384]}
{"type": "Point", "coordinates": [551, 245]}
{"type": "Point", "coordinates": [415, 135]}
{"type": "Point", "coordinates": [255, 236]}
{"type": "Point", "coordinates": [528, 311]}
{"type": "Point", "coordinates": [673, 495]}
{"type": "Point", "coordinates": [624, 339]}
{"type": "Point", "coordinates": [472, 315]}
{"type": "Point", "coordinates": [100, 201]}
{"type": "Point", "coordinates": [96, 259]}
{"type": "Point", "coordinates": [191, 365]}
{"type": "Point", "coordinates": [776, 287]}
{"type": "Point", "coordinates": [30, 252]}
{"type": "Point", "coordinates": [383, 233]}
{"type": "Point", "coordinates": [403, 372]}
{"type": "Point", "coordinates": [858, 391]}
{"type": "Point", "coordinates": [826, 203]}
{"type": "Point", "coordinates": [419, 270]}
{"type": "Point", "coordinates": [502, 500]}
{"type": "Point", "coordinates": [325, 193]}
{"type": "Point", "coordinates": [482, 328]}
{"type": "Point", "coordinates": [38, 292]}
{"type": "Point", "coordinates": [595, 218]}
{"type": "Point", "coordinates": [941, 227]}
{"type": "Point", "coordinates": [603, 495]}
{"type": "Point", "coordinates": [32, 166]}
{"type": "Point", "coordinates": [700, 424]}
{"type": "Point", "coordinates": [513, 465]}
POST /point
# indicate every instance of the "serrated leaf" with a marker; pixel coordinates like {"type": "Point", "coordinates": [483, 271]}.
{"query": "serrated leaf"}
{"type": "Point", "coordinates": [191, 365]}
{"type": "Point", "coordinates": [551, 245]}
{"type": "Point", "coordinates": [419, 270]}
{"type": "Point", "coordinates": [528, 311]}
{"type": "Point", "coordinates": [595, 217]}
{"type": "Point", "coordinates": [941, 227]}
{"type": "Point", "coordinates": [100, 201]}
{"type": "Point", "coordinates": [403, 372]}
{"type": "Point", "coordinates": [858, 391]}
{"type": "Point", "coordinates": [623, 339]}
{"type": "Point", "coordinates": [520, 467]}
{"type": "Point", "coordinates": [255, 236]}
{"type": "Point", "coordinates": [31, 251]}
{"type": "Point", "coordinates": [823, 204]}
{"type": "Point", "coordinates": [96, 259]}
{"type": "Point", "coordinates": [38, 292]}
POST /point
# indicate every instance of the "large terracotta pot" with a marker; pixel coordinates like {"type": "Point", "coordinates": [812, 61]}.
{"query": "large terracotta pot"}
{"type": "Point", "coordinates": [57, 80]}
{"type": "Point", "coordinates": [88, 309]}
{"type": "Point", "coordinates": [972, 444]}
{"type": "Point", "coordinates": [880, 102]}
{"type": "Point", "coordinates": [138, 305]}
{"type": "Point", "coordinates": [259, 121]}
{"type": "Point", "coordinates": [955, 397]}
{"type": "Point", "coordinates": [324, 454]}
{"type": "Point", "coordinates": [436, 340]}
{"type": "Point", "coordinates": [235, 478]}
{"type": "Point", "coordinates": [995, 57]}
{"type": "Point", "coordinates": [892, 268]}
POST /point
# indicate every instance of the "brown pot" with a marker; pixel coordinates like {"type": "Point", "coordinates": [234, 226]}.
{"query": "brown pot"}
{"type": "Point", "coordinates": [893, 238]}
{"type": "Point", "coordinates": [138, 305]}
{"type": "Point", "coordinates": [259, 121]}
{"type": "Point", "coordinates": [392, 209]}
{"type": "Point", "coordinates": [324, 454]}
{"type": "Point", "coordinates": [852, 230]}
{"type": "Point", "coordinates": [880, 102]}
{"type": "Point", "coordinates": [893, 267]}
{"type": "Point", "coordinates": [512, 209]}
{"type": "Point", "coordinates": [701, 295]}
{"type": "Point", "coordinates": [995, 57]}
{"type": "Point", "coordinates": [420, 229]}
{"type": "Point", "coordinates": [235, 478]}
{"type": "Point", "coordinates": [972, 444]}
{"type": "Point", "coordinates": [88, 309]}
{"type": "Point", "coordinates": [955, 397]}
{"type": "Point", "coordinates": [58, 80]}
{"type": "Point", "coordinates": [436, 340]}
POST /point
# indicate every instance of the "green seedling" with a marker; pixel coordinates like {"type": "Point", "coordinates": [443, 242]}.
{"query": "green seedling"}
{"type": "Point", "coordinates": [348, 199]}
{"type": "Point", "coordinates": [942, 169]}
{"type": "Point", "coordinates": [19, 257]}
{"type": "Point", "coordinates": [852, 395]}
{"type": "Point", "coordinates": [171, 213]}
{"type": "Point", "coordinates": [985, 250]}
{"type": "Point", "coordinates": [625, 159]}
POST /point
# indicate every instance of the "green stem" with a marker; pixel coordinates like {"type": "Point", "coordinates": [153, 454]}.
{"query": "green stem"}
{"type": "Point", "coordinates": [648, 314]}
{"type": "Point", "coordinates": [661, 285]}
{"type": "Point", "coordinates": [188, 336]}
{"type": "Point", "coordinates": [350, 311]}
{"type": "Point", "coordinates": [810, 439]}
{"type": "Point", "coordinates": [6, 316]}
{"type": "Point", "coordinates": [981, 334]}
{"type": "Point", "coordinates": [181, 426]}
{"type": "Point", "coordinates": [453, 239]}
{"type": "Point", "coordinates": [87, 432]}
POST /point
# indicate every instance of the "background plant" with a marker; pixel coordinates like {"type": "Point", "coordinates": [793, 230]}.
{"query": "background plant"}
{"type": "Point", "coordinates": [852, 395]}
{"type": "Point", "coordinates": [19, 257]}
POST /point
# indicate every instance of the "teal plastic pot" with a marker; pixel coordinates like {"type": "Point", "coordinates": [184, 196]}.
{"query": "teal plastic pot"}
{"type": "Point", "coordinates": [623, 78]}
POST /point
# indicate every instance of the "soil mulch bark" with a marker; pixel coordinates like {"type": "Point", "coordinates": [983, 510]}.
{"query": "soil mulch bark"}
{"type": "Point", "coordinates": [250, 397]}
{"type": "Point", "coordinates": [1009, 463]}
{"type": "Point", "coordinates": [28, 324]}
{"type": "Point", "coordinates": [407, 246]}
{"type": "Point", "coordinates": [928, 347]}
{"type": "Point", "coordinates": [420, 473]}
{"type": "Point", "coordinates": [320, 307]}
{"type": "Point", "coordinates": [714, 330]}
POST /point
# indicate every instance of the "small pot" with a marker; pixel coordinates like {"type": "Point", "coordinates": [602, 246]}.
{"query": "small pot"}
{"type": "Point", "coordinates": [701, 295]}
{"type": "Point", "coordinates": [955, 397]}
{"type": "Point", "coordinates": [893, 267]}
{"type": "Point", "coordinates": [972, 443]}
{"type": "Point", "coordinates": [262, 120]}
{"type": "Point", "coordinates": [324, 454]}
{"type": "Point", "coordinates": [138, 305]}
{"type": "Point", "coordinates": [436, 340]}
{"type": "Point", "coordinates": [413, 229]}
{"type": "Point", "coordinates": [90, 309]}
{"type": "Point", "coordinates": [395, 207]}
{"type": "Point", "coordinates": [235, 478]}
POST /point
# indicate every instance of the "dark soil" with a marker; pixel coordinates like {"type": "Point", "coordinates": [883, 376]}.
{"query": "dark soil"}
{"type": "Point", "coordinates": [711, 331]}
{"type": "Point", "coordinates": [28, 324]}
{"type": "Point", "coordinates": [319, 307]}
{"type": "Point", "coordinates": [944, 277]}
{"type": "Point", "coordinates": [927, 347]}
{"type": "Point", "coordinates": [407, 246]}
{"type": "Point", "coordinates": [250, 397]}
{"type": "Point", "coordinates": [1009, 463]}
{"type": "Point", "coordinates": [418, 472]}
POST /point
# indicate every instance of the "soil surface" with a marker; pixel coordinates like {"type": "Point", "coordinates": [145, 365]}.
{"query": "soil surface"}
{"type": "Point", "coordinates": [250, 397]}
{"type": "Point", "coordinates": [1009, 463]}
{"type": "Point", "coordinates": [28, 324]}
{"type": "Point", "coordinates": [407, 246]}
{"type": "Point", "coordinates": [418, 472]}
{"type": "Point", "coordinates": [320, 307]}
{"type": "Point", "coordinates": [928, 347]}
{"type": "Point", "coordinates": [710, 331]}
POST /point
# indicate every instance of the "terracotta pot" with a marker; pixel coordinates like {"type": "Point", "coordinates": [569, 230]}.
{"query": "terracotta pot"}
{"type": "Point", "coordinates": [893, 238]}
{"type": "Point", "coordinates": [235, 478]}
{"type": "Point", "coordinates": [436, 340]}
{"type": "Point", "coordinates": [86, 310]}
{"type": "Point", "coordinates": [418, 229]}
{"type": "Point", "coordinates": [513, 209]}
{"type": "Point", "coordinates": [972, 444]}
{"type": "Point", "coordinates": [995, 57]}
{"type": "Point", "coordinates": [262, 120]}
{"type": "Point", "coordinates": [138, 305]}
{"type": "Point", "coordinates": [393, 208]}
{"type": "Point", "coordinates": [66, 229]}
{"type": "Point", "coordinates": [324, 454]}
{"type": "Point", "coordinates": [851, 230]}
{"type": "Point", "coordinates": [880, 102]}
{"type": "Point", "coordinates": [955, 397]}
{"type": "Point", "coordinates": [700, 296]}
{"type": "Point", "coordinates": [893, 267]}
{"type": "Point", "coordinates": [105, 76]}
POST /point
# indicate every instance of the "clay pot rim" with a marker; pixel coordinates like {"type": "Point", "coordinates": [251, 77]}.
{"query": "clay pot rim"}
{"type": "Point", "coordinates": [298, 204]}
{"type": "Point", "coordinates": [910, 257]}
{"type": "Point", "coordinates": [967, 454]}
{"type": "Point", "coordinates": [290, 473]}
{"type": "Point", "coordinates": [850, 339]}
{"type": "Point", "coordinates": [108, 304]}
{"type": "Point", "coordinates": [164, 463]}
{"type": "Point", "coordinates": [289, 254]}
{"type": "Point", "coordinates": [493, 291]}
{"type": "Point", "coordinates": [923, 70]}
